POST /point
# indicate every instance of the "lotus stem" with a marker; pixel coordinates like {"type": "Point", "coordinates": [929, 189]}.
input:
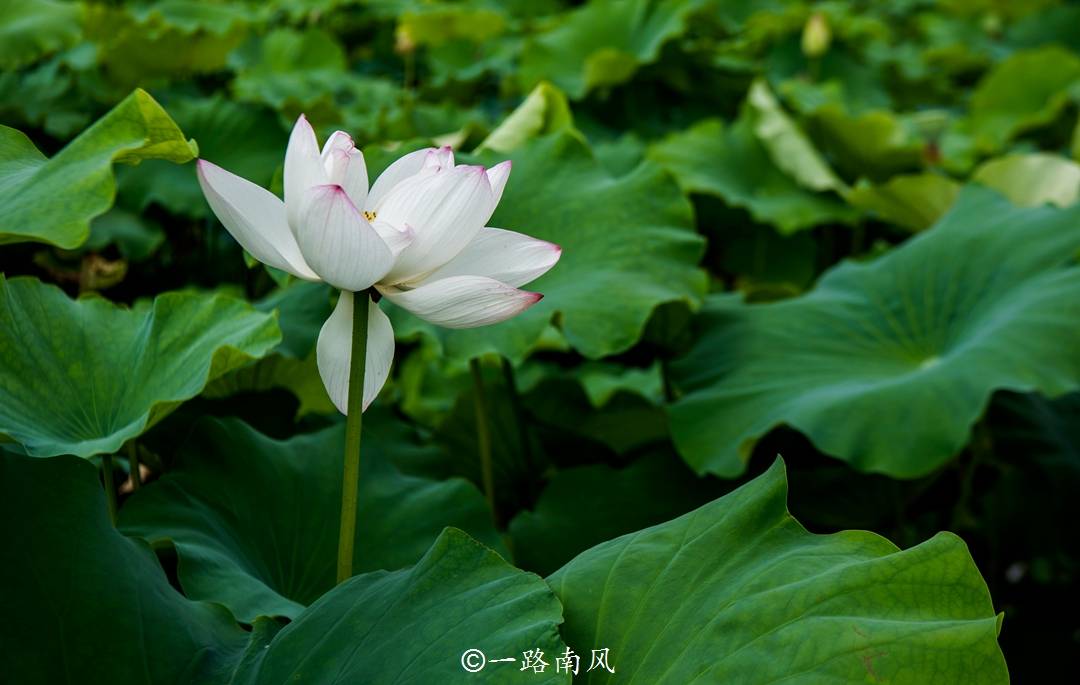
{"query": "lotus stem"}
{"type": "Point", "coordinates": [483, 434]}
{"type": "Point", "coordinates": [110, 486]}
{"type": "Point", "coordinates": [133, 465]}
{"type": "Point", "coordinates": [350, 481]}
{"type": "Point", "coordinates": [519, 412]}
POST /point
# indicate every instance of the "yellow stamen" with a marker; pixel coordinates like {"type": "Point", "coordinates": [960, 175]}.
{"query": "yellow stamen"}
{"type": "Point", "coordinates": [370, 216]}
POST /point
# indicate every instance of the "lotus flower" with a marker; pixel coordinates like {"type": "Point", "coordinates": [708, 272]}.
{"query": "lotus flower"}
{"type": "Point", "coordinates": [418, 237]}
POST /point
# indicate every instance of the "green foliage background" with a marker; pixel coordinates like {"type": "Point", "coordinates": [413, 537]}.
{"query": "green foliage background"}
{"type": "Point", "coordinates": [843, 232]}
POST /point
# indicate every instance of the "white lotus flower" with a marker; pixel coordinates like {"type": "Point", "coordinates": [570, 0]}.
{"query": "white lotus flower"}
{"type": "Point", "coordinates": [418, 236]}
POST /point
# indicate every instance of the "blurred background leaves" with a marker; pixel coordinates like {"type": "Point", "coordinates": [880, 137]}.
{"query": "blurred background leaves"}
{"type": "Point", "coordinates": [704, 164]}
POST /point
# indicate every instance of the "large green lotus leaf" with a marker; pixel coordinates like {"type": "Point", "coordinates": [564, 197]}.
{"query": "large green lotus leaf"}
{"type": "Point", "coordinates": [887, 364]}
{"type": "Point", "coordinates": [628, 246]}
{"type": "Point", "coordinates": [732, 164]}
{"type": "Point", "coordinates": [603, 43]}
{"type": "Point", "coordinates": [1027, 90]}
{"type": "Point", "coordinates": [83, 603]}
{"type": "Point", "coordinates": [414, 625]}
{"type": "Point", "coordinates": [30, 29]}
{"type": "Point", "coordinates": [82, 376]}
{"type": "Point", "coordinates": [254, 520]}
{"type": "Point", "coordinates": [53, 200]}
{"type": "Point", "coordinates": [586, 505]}
{"type": "Point", "coordinates": [739, 591]}
{"type": "Point", "coordinates": [247, 140]}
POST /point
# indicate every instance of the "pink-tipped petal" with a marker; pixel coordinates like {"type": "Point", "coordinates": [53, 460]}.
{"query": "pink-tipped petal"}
{"type": "Point", "coordinates": [497, 176]}
{"type": "Point", "coordinates": [255, 217]}
{"type": "Point", "coordinates": [338, 140]}
{"type": "Point", "coordinates": [339, 243]}
{"type": "Point", "coordinates": [334, 352]}
{"type": "Point", "coordinates": [506, 256]}
{"type": "Point", "coordinates": [439, 158]}
{"type": "Point", "coordinates": [462, 301]}
{"type": "Point", "coordinates": [303, 169]}
{"type": "Point", "coordinates": [446, 209]}
{"type": "Point", "coordinates": [344, 165]}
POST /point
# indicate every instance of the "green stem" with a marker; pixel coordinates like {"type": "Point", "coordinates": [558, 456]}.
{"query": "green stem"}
{"type": "Point", "coordinates": [665, 377]}
{"type": "Point", "coordinates": [353, 423]}
{"type": "Point", "coordinates": [519, 412]}
{"type": "Point", "coordinates": [483, 433]}
{"type": "Point", "coordinates": [110, 486]}
{"type": "Point", "coordinates": [133, 465]}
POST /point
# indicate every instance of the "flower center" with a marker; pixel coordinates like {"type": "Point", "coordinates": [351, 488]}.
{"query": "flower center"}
{"type": "Point", "coordinates": [370, 216]}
